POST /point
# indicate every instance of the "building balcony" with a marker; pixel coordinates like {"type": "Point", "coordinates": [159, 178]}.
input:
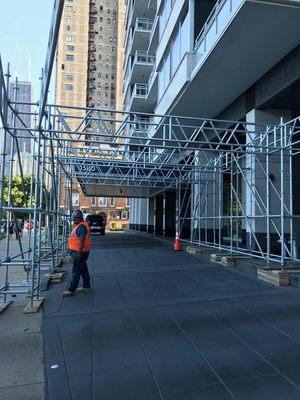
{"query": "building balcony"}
{"type": "Point", "coordinates": [138, 9]}
{"type": "Point", "coordinates": [234, 49]}
{"type": "Point", "coordinates": [138, 39]}
{"type": "Point", "coordinates": [138, 99]}
{"type": "Point", "coordinates": [142, 66]}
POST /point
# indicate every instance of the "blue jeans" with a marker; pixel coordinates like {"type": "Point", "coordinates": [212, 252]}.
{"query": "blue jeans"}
{"type": "Point", "coordinates": [80, 268]}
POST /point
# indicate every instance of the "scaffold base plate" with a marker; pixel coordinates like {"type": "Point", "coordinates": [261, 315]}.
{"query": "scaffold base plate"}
{"type": "Point", "coordinates": [4, 306]}
{"type": "Point", "coordinates": [30, 309]}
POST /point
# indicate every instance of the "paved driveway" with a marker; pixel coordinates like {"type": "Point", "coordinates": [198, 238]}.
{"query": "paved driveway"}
{"type": "Point", "coordinates": [172, 326]}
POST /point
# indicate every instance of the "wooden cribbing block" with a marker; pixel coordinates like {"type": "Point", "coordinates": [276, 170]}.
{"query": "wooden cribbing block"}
{"type": "Point", "coordinates": [277, 278]}
{"type": "Point", "coordinates": [57, 277]}
{"type": "Point", "coordinates": [194, 250]}
{"type": "Point", "coordinates": [4, 306]}
{"type": "Point", "coordinates": [228, 261]}
{"type": "Point", "coordinates": [35, 307]}
{"type": "Point", "coordinates": [215, 257]}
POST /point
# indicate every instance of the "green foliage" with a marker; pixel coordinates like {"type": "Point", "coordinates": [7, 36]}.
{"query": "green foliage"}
{"type": "Point", "coordinates": [19, 198]}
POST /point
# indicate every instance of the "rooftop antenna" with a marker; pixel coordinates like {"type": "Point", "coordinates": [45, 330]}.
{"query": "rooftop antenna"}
{"type": "Point", "coordinates": [29, 68]}
{"type": "Point", "coordinates": [17, 59]}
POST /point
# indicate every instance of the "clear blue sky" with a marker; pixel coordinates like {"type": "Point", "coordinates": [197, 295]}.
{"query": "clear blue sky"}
{"type": "Point", "coordinates": [25, 24]}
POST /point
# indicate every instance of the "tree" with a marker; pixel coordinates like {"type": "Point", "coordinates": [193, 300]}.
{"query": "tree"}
{"type": "Point", "coordinates": [19, 198]}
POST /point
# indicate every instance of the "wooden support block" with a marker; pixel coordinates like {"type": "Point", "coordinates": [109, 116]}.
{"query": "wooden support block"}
{"type": "Point", "coordinates": [215, 257]}
{"type": "Point", "coordinates": [35, 307]}
{"type": "Point", "coordinates": [57, 277]}
{"type": "Point", "coordinates": [228, 261]}
{"type": "Point", "coordinates": [275, 277]}
{"type": "Point", "coordinates": [194, 250]}
{"type": "Point", "coordinates": [4, 306]}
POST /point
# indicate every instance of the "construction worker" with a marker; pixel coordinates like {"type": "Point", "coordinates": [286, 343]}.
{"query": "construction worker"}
{"type": "Point", "coordinates": [79, 246]}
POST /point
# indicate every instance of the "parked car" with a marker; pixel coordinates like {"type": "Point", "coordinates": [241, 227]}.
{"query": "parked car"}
{"type": "Point", "coordinates": [97, 223]}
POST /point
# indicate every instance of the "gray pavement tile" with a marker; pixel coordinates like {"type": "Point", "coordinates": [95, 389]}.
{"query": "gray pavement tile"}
{"type": "Point", "coordinates": [293, 375]}
{"type": "Point", "coordinates": [283, 356]}
{"type": "Point", "coordinates": [160, 287]}
{"type": "Point", "coordinates": [233, 316]}
{"type": "Point", "coordinates": [77, 326]}
{"type": "Point", "coordinates": [106, 291]}
{"type": "Point", "coordinates": [182, 373]}
{"type": "Point", "coordinates": [185, 312]}
{"type": "Point", "coordinates": [151, 316]}
{"type": "Point", "coordinates": [216, 342]}
{"type": "Point", "coordinates": [57, 385]}
{"type": "Point", "coordinates": [201, 325]}
{"type": "Point", "coordinates": [209, 392]}
{"type": "Point", "coordinates": [269, 312]}
{"type": "Point", "coordinates": [24, 392]}
{"type": "Point", "coordinates": [292, 329]}
{"type": "Point", "coordinates": [124, 383]}
{"type": "Point", "coordinates": [78, 352]}
{"type": "Point", "coordinates": [238, 364]}
{"type": "Point", "coordinates": [273, 387]}
{"type": "Point", "coordinates": [164, 342]}
{"type": "Point", "coordinates": [119, 349]}
{"type": "Point", "coordinates": [134, 289]}
{"type": "Point", "coordinates": [257, 336]}
{"type": "Point", "coordinates": [81, 387]}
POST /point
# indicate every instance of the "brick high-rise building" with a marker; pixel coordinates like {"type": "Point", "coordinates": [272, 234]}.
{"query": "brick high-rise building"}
{"type": "Point", "coordinates": [89, 72]}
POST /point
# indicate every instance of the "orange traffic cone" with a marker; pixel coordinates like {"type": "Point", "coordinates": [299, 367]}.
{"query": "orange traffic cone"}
{"type": "Point", "coordinates": [177, 244]}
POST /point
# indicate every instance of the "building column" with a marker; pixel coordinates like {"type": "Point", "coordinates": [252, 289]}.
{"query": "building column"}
{"type": "Point", "coordinates": [264, 211]}
{"type": "Point", "coordinates": [143, 215]}
{"type": "Point", "coordinates": [150, 220]}
{"type": "Point", "coordinates": [170, 213]}
{"type": "Point", "coordinates": [135, 213]}
{"type": "Point", "coordinates": [131, 214]}
{"type": "Point", "coordinates": [159, 214]}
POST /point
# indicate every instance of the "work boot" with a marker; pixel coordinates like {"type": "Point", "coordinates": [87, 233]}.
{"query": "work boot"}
{"type": "Point", "coordinates": [68, 293]}
{"type": "Point", "coordinates": [83, 290]}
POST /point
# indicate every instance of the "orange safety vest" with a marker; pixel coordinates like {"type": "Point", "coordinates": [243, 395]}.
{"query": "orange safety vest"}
{"type": "Point", "coordinates": [74, 240]}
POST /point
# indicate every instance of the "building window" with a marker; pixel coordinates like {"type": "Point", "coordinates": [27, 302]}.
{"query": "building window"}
{"type": "Point", "coordinates": [127, 202]}
{"type": "Point", "coordinates": [68, 19]}
{"type": "Point", "coordinates": [99, 75]}
{"type": "Point", "coordinates": [102, 201]}
{"type": "Point", "coordinates": [69, 38]}
{"type": "Point", "coordinates": [69, 57]}
{"type": "Point", "coordinates": [70, 47]}
{"type": "Point", "coordinates": [93, 201]}
{"type": "Point", "coordinates": [112, 202]}
{"type": "Point", "coordinates": [69, 9]}
{"type": "Point", "coordinates": [69, 87]}
{"type": "Point", "coordinates": [68, 28]}
{"type": "Point", "coordinates": [124, 215]}
{"type": "Point", "coordinates": [75, 199]}
{"type": "Point", "coordinates": [69, 77]}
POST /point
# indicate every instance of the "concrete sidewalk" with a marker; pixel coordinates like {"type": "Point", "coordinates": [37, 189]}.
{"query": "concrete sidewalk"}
{"type": "Point", "coordinates": [169, 326]}
{"type": "Point", "coordinates": [21, 358]}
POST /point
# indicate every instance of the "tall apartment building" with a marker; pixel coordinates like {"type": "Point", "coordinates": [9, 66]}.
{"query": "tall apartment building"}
{"type": "Point", "coordinates": [231, 59]}
{"type": "Point", "coordinates": [21, 91]}
{"type": "Point", "coordinates": [89, 53]}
